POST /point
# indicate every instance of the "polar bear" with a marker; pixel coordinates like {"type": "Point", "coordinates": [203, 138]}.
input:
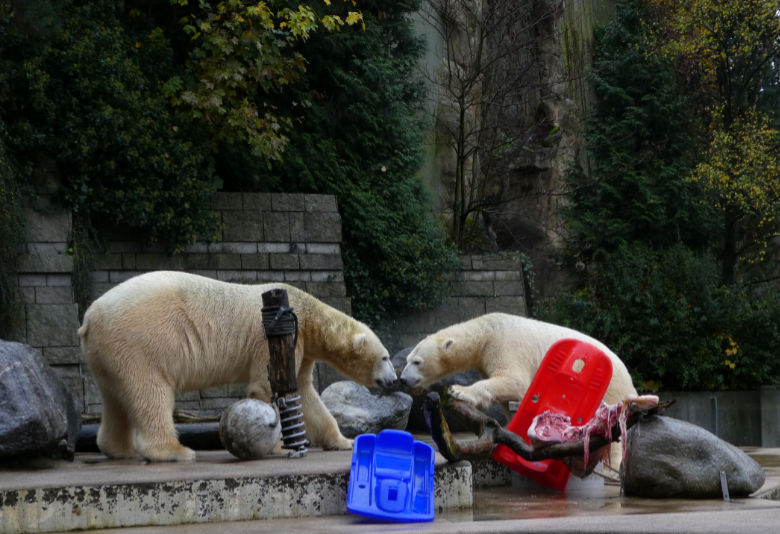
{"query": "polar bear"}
{"type": "Point", "coordinates": [163, 332]}
{"type": "Point", "coordinates": [506, 350]}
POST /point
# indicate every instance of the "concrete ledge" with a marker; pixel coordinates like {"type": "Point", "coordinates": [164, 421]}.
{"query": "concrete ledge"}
{"type": "Point", "coordinates": [94, 493]}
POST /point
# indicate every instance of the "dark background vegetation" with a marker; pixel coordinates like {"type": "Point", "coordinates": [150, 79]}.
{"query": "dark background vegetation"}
{"type": "Point", "coordinates": [102, 107]}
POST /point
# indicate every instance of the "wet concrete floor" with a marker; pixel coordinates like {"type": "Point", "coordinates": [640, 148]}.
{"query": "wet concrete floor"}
{"type": "Point", "coordinates": [585, 507]}
{"type": "Point", "coordinates": [594, 497]}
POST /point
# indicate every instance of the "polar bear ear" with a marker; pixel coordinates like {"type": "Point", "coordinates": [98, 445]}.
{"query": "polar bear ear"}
{"type": "Point", "coordinates": [447, 344]}
{"type": "Point", "coordinates": [358, 341]}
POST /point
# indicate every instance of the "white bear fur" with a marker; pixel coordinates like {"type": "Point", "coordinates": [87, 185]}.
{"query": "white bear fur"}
{"type": "Point", "coordinates": [164, 332]}
{"type": "Point", "coordinates": [506, 350]}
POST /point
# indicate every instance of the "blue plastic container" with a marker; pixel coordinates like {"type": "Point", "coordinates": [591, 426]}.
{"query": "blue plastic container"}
{"type": "Point", "coordinates": [391, 477]}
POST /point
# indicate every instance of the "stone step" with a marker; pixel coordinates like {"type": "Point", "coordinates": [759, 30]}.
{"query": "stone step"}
{"type": "Point", "coordinates": [93, 492]}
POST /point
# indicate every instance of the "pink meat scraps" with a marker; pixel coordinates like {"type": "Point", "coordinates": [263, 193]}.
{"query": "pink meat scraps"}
{"type": "Point", "coordinates": [549, 427]}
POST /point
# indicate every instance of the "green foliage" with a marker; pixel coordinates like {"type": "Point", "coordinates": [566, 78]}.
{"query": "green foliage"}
{"type": "Point", "coordinates": [727, 47]}
{"type": "Point", "coordinates": [673, 324]}
{"type": "Point", "coordinates": [731, 57]}
{"type": "Point", "coordinates": [137, 111]}
{"type": "Point", "coordinates": [81, 107]}
{"type": "Point", "coordinates": [358, 136]}
{"type": "Point", "coordinates": [241, 51]}
{"type": "Point", "coordinates": [640, 142]}
{"type": "Point", "coordinates": [11, 241]}
{"type": "Point", "coordinates": [644, 231]}
{"type": "Point", "coordinates": [741, 171]}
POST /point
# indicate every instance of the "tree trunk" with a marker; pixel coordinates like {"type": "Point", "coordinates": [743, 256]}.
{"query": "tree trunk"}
{"type": "Point", "coordinates": [458, 218]}
{"type": "Point", "coordinates": [729, 255]}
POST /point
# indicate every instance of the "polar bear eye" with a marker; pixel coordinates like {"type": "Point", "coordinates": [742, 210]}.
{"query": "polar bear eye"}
{"type": "Point", "coordinates": [417, 362]}
{"type": "Point", "coordinates": [385, 358]}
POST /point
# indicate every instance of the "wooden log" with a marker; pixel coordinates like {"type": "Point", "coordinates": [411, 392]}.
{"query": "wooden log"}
{"type": "Point", "coordinates": [492, 433]}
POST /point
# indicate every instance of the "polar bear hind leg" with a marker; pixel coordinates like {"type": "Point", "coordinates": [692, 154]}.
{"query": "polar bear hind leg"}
{"type": "Point", "coordinates": [114, 437]}
{"type": "Point", "coordinates": [152, 420]}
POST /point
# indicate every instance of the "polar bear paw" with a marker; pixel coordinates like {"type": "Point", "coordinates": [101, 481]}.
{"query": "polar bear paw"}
{"type": "Point", "coordinates": [339, 444]}
{"type": "Point", "coordinates": [174, 454]}
{"type": "Point", "coordinates": [167, 451]}
{"type": "Point", "coordinates": [464, 394]}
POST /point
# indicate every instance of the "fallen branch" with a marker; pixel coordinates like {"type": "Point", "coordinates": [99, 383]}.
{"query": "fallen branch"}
{"type": "Point", "coordinates": [491, 433]}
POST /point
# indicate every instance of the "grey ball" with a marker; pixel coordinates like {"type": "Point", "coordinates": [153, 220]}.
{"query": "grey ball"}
{"type": "Point", "coordinates": [249, 429]}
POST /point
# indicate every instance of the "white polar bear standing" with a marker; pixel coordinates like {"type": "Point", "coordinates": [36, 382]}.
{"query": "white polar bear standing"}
{"type": "Point", "coordinates": [164, 332]}
{"type": "Point", "coordinates": [506, 350]}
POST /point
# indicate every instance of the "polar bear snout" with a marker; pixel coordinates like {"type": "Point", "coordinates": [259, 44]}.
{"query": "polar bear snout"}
{"type": "Point", "coordinates": [408, 383]}
{"type": "Point", "coordinates": [410, 376]}
{"type": "Point", "coordinates": [386, 377]}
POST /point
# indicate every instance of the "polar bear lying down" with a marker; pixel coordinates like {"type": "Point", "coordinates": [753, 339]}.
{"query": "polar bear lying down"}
{"type": "Point", "coordinates": [164, 332]}
{"type": "Point", "coordinates": [506, 350]}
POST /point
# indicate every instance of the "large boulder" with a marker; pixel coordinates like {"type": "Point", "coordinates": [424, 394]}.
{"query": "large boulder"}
{"type": "Point", "coordinates": [38, 415]}
{"type": "Point", "coordinates": [666, 457]}
{"type": "Point", "coordinates": [359, 411]}
{"type": "Point", "coordinates": [466, 378]}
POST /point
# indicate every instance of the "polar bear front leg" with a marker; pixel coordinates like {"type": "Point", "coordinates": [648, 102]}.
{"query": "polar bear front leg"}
{"type": "Point", "coordinates": [321, 427]}
{"type": "Point", "coordinates": [485, 393]}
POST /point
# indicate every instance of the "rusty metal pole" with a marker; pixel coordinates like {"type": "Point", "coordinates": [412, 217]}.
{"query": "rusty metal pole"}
{"type": "Point", "coordinates": [281, 331]}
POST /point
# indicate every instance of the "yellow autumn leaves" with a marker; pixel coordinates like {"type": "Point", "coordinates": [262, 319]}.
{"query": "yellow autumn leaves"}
{"type": "Point", "coordinates": [742, 169]}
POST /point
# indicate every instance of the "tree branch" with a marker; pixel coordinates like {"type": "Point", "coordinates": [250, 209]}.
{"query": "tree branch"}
{"type": "Point", "coordinates": [492, 433]}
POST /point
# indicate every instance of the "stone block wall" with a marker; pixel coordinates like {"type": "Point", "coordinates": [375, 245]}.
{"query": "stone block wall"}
{"type": "Point", "coordinates": [265, 237]}
{"type": "Point", "coordinates": [291, 238]}
{"type": "Point", "coordinates": [483, 284]}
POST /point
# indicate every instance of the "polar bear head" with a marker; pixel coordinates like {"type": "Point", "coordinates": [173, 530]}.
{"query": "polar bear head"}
{"type": "Point", "coordinates": [369, 349]}
{"type": "Point", "coordinates": [361, 356]}
{"type": "Point", "coordinates": [429, 361]}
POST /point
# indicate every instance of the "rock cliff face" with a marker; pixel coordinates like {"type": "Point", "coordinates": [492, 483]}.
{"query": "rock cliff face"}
{"type": "Point", "coordinates": [523, 146]}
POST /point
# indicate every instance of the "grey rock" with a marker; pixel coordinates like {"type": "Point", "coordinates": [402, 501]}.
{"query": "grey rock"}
{"type": "Point", "coordinates": [38, 414]}
{"type": "Point", "coordinates": [399, 360]}
{"type": "Point", "coordinates": [666, 457]}
{"type": "Point", "coordinates": [466, 378]}
{"type": "Point", "coordinates": [360, 411]}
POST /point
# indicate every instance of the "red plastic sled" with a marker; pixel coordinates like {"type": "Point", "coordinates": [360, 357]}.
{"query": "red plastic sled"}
{"type": "Point", "coordinates": [571, 380]}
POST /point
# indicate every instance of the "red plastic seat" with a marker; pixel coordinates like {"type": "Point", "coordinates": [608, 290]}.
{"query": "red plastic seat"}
{"type": "Point", "coordinates": [571, 380]}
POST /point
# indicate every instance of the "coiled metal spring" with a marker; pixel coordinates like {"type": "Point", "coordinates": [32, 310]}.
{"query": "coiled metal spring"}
{"type": "Point", "coordinates": [293, 429]}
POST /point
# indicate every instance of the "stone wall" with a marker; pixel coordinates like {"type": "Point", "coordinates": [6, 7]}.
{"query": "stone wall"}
{"type": "Point", "coordinates": [484, 284]}
{"type": "Point", "coordinates": [292, 238]}
{"type": "Point", "coordinates": [295, 238]}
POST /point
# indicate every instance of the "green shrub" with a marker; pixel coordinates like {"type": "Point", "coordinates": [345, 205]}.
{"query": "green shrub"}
{"type": "Point", "coordinates": [83, 110]}
{"type": "Point", "coordinates": [642, 234]}
{"type": "Point", "coordinates": [11, 241]}
{"type": "Point", "coordinates": [359, 136]}
{"type": "Point", "coordinates": [89, 90]}
{"type": "Point", "coordinates": [667, 316]}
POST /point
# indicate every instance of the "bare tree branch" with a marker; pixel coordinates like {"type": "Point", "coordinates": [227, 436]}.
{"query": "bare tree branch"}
{"type": "Point", "coordinates": [488, 77]}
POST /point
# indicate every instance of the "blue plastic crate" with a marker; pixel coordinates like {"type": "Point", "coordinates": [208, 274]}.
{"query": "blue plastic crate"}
{"type": "Point", "coordinates": [391, 477]}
